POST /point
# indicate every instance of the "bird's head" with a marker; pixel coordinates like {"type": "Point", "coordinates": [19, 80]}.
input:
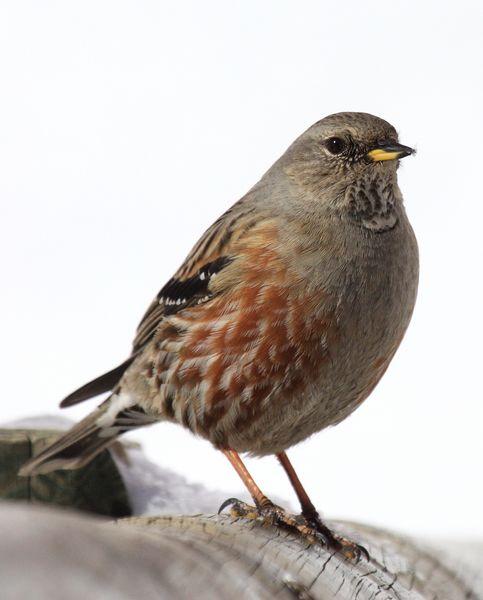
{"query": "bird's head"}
{"type": "Point", "coordinates": [344, 148]}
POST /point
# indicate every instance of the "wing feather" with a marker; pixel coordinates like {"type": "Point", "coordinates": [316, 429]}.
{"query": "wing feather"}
{"type": "Point", "coordinates": [190, 286]}
{"type": "Point", "coordinates": [191, 283]}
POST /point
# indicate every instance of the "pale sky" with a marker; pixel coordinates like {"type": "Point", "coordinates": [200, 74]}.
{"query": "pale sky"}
{"type": "Point", "coordinates": [127, 127]}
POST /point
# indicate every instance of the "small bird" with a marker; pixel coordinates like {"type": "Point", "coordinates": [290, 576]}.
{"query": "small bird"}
{"type": "Point", "coordinates": [281, 320]}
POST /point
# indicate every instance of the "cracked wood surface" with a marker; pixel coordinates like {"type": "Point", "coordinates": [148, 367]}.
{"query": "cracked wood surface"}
{"type": "Point", "coordinates": [50, 554]}
{"type": "Point", "coordinates": [249, 560]}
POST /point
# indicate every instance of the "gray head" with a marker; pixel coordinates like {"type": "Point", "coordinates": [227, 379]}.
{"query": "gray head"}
{"type": "Point", "coordinates": [343, 148]}
{"type": "Point", "coordinates": [347, 162]}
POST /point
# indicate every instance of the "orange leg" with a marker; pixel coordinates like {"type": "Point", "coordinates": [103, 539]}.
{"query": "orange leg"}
{"type": "Point", "coordinates": [309, 512]}
{"type": "Point", "coordinates": [309, 525]}
{"type": "Point", "coordinates": [264, 508]}
{"type": "Point", "coordinates": [256, 493]}
{"type": "Point", "coordinates": [308, 509]}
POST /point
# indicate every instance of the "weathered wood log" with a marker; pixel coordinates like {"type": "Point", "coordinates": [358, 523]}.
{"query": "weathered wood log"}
{"type": "Point", "coordinates": [47, 554]}
{"type": "Point", "coordinates": [98, 487]}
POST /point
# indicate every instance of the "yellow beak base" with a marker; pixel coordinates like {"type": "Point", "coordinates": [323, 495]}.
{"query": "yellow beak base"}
{"type": "Point", "coordinates": [389, 151]}
{"type": "Point", "coordinates": [379, 154]}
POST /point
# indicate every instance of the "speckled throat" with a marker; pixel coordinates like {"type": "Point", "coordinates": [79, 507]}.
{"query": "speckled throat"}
{"type": "Point", "coordinates": [371, 203]}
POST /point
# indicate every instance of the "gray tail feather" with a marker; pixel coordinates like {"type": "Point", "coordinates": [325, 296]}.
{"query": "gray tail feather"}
{"type": "Point", "coordinates": [74, 449]}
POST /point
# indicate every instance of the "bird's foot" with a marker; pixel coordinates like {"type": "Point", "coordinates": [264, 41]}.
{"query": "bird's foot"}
{"type": "Point", "coordinates": [240, 509]}
{"type": "Point", "coordinates": [311, 529]}
{"type": "Point", "coordinates": [339, 543]}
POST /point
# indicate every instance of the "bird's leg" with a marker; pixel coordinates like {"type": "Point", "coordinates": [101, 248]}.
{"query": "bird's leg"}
{"type": "Point", "coordinates": [312, 517]}
{"type": "Point", "coordinates": [308, 526]}
{"type": "Point", "coordinates": [261, 501]}
{"type": "Point", "coordinates": [264, 508]}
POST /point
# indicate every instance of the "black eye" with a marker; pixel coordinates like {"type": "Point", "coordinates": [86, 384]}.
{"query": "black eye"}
{"type": "Point", "coordinates": [335, 145]}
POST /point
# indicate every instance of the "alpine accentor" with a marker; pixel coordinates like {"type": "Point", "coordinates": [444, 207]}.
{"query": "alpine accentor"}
{"type": "Point", "coordinates": [281, 320]}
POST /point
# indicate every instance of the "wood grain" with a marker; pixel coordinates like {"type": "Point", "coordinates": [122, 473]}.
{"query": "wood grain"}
{"type": "Point", "coordinates": [54, 554]}
{"type": "Point", "coordinates": [400, 568]}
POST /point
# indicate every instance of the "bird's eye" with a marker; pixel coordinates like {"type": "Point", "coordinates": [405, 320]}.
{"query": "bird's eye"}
{"type": "Point", "coordinates": [335, 145]}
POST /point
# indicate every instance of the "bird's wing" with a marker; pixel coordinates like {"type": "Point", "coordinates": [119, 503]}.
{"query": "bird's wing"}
{"type": "Point", "coordinates": [189, 286]}
{"type": "Point", "coordinates": [104, 383]}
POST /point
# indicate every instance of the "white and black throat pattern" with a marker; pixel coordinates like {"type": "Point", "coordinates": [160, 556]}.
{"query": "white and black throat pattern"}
{"type": "Point", "coordinates": [372, 204]}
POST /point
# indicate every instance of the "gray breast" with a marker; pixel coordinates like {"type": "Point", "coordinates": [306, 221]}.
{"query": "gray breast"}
{"type": "Point", "coordinates": [378, 290]}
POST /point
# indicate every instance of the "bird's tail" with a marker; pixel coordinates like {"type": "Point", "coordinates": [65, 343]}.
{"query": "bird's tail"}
{"type": "Point", "coordinates": [90, 436]}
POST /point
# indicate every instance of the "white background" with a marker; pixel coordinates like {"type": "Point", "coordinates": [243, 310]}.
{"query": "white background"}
{"type": "Point", "coordinates": [127, 127]}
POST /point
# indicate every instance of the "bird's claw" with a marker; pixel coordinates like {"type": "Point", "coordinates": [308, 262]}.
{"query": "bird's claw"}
{"type": "Point", "coordinates": [351, 550]}
{"type": "Point", "coordinates": [227, 503]}
{"type": "Point", "coordinates": [312, 529]}
{"type": "Point", "coordinates": [239, 509]}
{"type": "Point", "coordinates": [346, 547]}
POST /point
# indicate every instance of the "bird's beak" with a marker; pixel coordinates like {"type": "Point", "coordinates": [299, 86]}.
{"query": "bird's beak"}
{"type": "Point", "coordinates": [389, 151]}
